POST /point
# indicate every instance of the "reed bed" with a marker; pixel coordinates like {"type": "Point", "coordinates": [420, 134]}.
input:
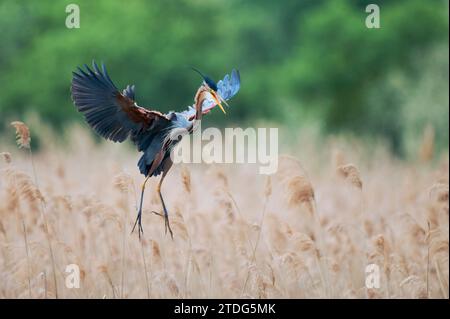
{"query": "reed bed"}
{"type": "Point", "coordinates": [308, 231]}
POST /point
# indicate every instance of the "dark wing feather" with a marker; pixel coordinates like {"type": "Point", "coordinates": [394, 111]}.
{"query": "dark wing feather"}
{"type": "Point", "coordinates": [112, 114]}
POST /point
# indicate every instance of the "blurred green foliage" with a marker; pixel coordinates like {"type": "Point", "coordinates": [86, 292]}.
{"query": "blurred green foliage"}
{"type": "Point", "coordinates": [300, 61]}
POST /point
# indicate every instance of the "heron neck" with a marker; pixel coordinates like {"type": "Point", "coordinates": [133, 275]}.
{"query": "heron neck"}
{"type": "Point", "coordinates": [199, 98]}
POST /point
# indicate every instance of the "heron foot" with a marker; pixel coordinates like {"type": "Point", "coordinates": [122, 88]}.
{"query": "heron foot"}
{"type": "Point", "coordinates": [156, 213]}
{"type": "Point", "coordinates": [167, 224]}
{"type": "Point", "coordinates": [166, 221]}
{"type": "Point", "coordinates": [138, 222]}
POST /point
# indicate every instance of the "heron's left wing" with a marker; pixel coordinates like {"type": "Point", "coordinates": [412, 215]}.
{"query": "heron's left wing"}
{"type": "Point", "coordinates": [112, 114]}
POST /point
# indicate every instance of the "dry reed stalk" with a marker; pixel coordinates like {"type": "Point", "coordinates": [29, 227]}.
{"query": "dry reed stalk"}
{"type": "Point", "coordinates": [24, 185]}
{"type": "Point", "coordinates": [268, 187]}
{"type": "Point", "coordinates": [437, 240]}
{"type": "Point", "coordinates": [27, 188]}
{"type": "Point", "coordinates": [351, 174]}
{"type": "Point", "coordinates": [229, 208]}
{"type": "Point", "coordinates": [428, 263]}
{"type": "Point", "coordinates": [414, 285]}
{"type": "Point", "coordinates": [143, 244]}
{"type": "Point", "coordinates": [123, 182]}
{"type": "Point", "coordinates": [383, 249]}
{"type": "Point", "coordinates": [199, 272]}
{"type": "Point", "coordinates": [220, 175]}
{"type": "Point", "coordinates": [44, 275]}
{"type": "Point", "coordinates": [442, 281]}
{"type": "Point", "coordinates": [426, 149]}
{"type": "Point", "coordinates": [22, 134]}
{"type": "Point", "coordinates": [303, 246]}
{"type": "Point", "coordinates": [105, 271]}
{"type": "Point", "coordinates": [156, 252]}
{"type": "Point", "coordinates": [222, 178]}
{"type": "Point", "coordinates": [186, 179]}
{"type": "Point", "coordinates": [24, 141]}
{"type": "Point", "coordinates": [300, 192]}
{"type": "Point", "coordinates": [124, 250]}
{"type": "Point", "coordinates": [303, 242]}
{"type": "Point", "coordinates": [267, 193]}
{"type": "Point", "coordinates": [173, 287]}
{"type": "Point", "coordinates": [186, 272]}
{"type": "Point", "coordinates": [122, 272]}
{"type": "Point", "coordinates": [438, 249]}
{"type": "Point", "coordinates": [2, 229]}
{"type": "Point", "coordinates": [27, 250]}
{"type": "Point", "coordinates": [12, 197]}
{"type": "Point", "coordinates": [21, 219]}
{"type": "Point", "coordinates": [229, 202]}
{"type": "Point", "coordinates": [226, 204]}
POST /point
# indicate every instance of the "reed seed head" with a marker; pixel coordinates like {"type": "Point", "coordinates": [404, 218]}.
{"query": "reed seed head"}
{"type": "Point", "coordinates": [22, 134]}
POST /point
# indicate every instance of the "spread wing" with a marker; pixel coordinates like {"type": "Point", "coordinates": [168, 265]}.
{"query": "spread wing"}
{"type": "Point", "coordinates": [229, 86]}
{"type": "Point", "coordinates": [112, 114]}
{"type": "Point", "coordinates": [226, 88]}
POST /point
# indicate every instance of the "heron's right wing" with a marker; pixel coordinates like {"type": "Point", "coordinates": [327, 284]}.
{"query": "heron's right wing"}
{"type": "Point", "coordinates": [227, 88]}
{"type": "Point", "coordinates": [112, 114]}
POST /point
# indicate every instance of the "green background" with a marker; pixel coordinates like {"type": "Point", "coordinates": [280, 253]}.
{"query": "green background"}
{"type": "Point", "coordinates": [301, 62]}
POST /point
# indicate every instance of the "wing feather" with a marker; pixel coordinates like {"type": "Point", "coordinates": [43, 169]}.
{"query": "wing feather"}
{"type": "Point", "coordinates": [227, 88]}
{"type": "Point", "coordinates": [113, 115]}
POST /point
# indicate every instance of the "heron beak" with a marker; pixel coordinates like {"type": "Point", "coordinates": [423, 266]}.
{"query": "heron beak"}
{"type": "Point", "coordinates": [223, 101]}
{"type": "Point", "coordinates": [217, 100]}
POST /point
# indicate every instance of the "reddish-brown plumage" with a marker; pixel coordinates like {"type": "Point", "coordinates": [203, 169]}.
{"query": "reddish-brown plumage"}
{"type": "Point", "coordinates": [199, 98]}
{"type": "Point", "coordinates": [136, 113]}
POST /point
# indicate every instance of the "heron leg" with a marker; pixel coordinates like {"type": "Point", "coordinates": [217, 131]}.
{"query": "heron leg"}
{"type": "Point", "coordinates": [139, 214]}
{"type": "Point", "coordinates": [166, 214]}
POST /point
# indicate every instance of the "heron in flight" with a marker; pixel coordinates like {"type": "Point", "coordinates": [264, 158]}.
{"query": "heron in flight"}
{"type": "Point", "coordinates": [116, 116]}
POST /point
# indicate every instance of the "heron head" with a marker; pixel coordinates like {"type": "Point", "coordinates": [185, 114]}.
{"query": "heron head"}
{"type": "Point", "coordinates": [211, 86]}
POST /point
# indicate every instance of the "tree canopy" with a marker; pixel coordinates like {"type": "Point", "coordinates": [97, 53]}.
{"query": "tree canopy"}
{"type": "Point", "coordinates": [299, 60]}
